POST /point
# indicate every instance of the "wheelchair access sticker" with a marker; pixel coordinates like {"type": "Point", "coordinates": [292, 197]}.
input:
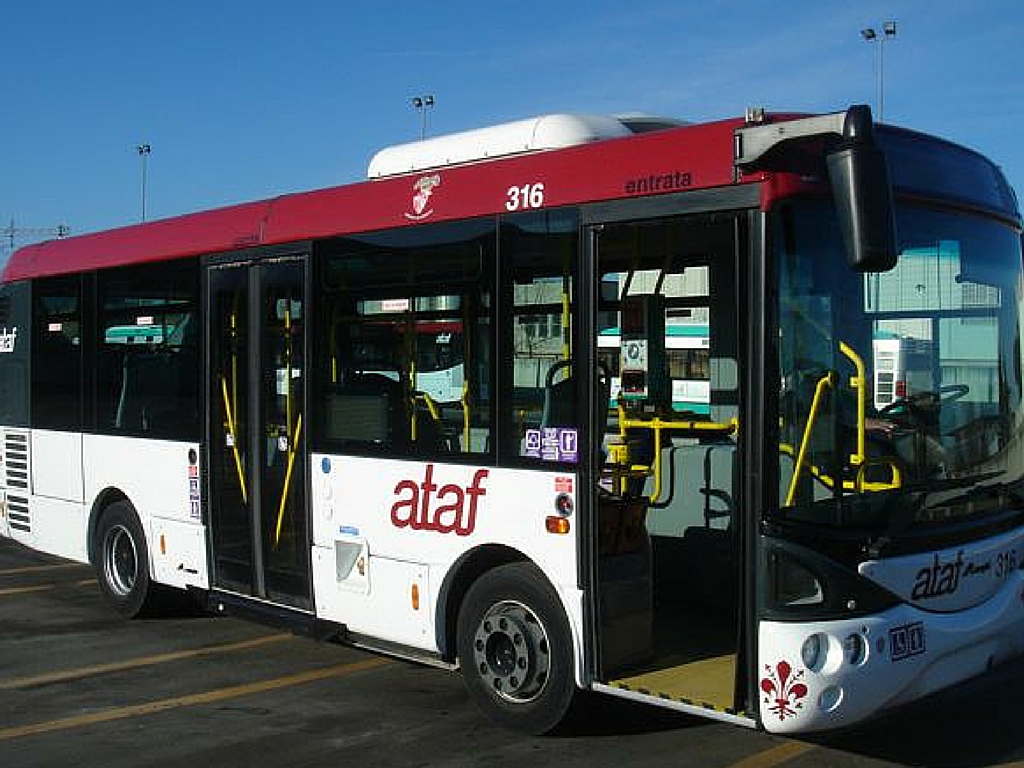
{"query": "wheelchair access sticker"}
{"type": "Point", "coordinates": [553, 444]}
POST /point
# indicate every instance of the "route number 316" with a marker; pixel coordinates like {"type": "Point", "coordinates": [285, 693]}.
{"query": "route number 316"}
{"type": "Point", "coordinates": [525, 197]}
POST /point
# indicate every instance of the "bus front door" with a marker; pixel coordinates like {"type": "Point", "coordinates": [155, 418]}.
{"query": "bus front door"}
{"type": "Point", "coordinates": [257, 435]}
{"type": "Point", "coordinates": [668, 503]}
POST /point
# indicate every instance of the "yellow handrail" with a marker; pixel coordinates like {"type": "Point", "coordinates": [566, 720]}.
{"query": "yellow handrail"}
{"type": "Point", "coordinates": [859, 384]}
{"type": "Point", "coordinates": [828, 380]}
{"type": "Point", "coordinates": [465, 416]}
{"type": "Point", "coordinates": [234, 438]}
{"type": "Point", "coordinates": [858, 484]}
{"type": "Point", "coordinates": [657, 424]}
{"type": "Point", "coordinates": [293, 449]}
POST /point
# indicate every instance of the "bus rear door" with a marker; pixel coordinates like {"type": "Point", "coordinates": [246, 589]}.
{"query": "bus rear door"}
{"type": "Point", "coordinates": [257, 435]}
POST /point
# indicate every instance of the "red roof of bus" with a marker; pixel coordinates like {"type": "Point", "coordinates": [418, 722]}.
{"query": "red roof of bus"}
{"type": "Point", "coordinates": [690, 157]}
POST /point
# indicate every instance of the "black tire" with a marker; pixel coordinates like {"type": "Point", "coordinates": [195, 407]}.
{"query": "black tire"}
{"type": "Point", "coordinates": [122, 561]}
{"type": "Point", "coordinates": [515, 649]}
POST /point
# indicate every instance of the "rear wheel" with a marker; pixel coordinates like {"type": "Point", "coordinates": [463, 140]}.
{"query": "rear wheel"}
{"type": "Point", "coordinates": [122, 561]}
{"type": "Point", "coordinates": [515, 649]}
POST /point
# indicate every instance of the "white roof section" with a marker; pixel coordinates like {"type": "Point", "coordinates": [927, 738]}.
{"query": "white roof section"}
{"type": "Point", "coordinates": [535, 134]}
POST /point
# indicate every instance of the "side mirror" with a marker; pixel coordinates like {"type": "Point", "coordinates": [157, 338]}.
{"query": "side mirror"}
{"type": "Point", "coordinates": [863, 196]}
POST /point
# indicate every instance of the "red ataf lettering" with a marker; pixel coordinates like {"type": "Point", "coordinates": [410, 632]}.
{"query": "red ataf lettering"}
{"type": "Point", "coordinates": [418, 508]}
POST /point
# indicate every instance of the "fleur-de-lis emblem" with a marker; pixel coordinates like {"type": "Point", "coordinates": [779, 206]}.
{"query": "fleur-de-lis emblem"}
{"type": "Point", "coordinates": [783, 692]}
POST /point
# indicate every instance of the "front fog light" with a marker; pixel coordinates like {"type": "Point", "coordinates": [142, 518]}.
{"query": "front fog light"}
{"type": "Point", "coordinates": [830, 698]}
{"type": "Point", "coordinates": [813, 652]}
{"type": "Point", "coordinates": [854, 649]}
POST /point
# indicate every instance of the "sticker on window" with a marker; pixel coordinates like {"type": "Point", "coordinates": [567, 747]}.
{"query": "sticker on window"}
{"type": "Point", "coordinates": [553, 444]}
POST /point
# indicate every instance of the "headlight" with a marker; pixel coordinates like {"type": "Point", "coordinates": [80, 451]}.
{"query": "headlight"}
{"type": "Point", "coordinates": [855, 650]}
{"type": "Point", "coordinates": [813, 651]}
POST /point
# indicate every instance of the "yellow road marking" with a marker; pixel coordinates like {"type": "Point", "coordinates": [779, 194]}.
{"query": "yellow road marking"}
{"type": "Point", "coordinates": [783, 753]}
{"type": "Point", "coordinates": [192, 700]}
{"type": "Point", "coordinates": [38, 568]}
{"type": "Point", "coordinates": [143, 661]}
{"type": "Point", "coordinates": [26, 590]}
{"type": "Point", "coordinates": [43, 587]}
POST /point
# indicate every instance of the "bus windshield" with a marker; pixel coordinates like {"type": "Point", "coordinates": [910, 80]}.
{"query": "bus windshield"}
{"type": "Point", "coordinates": [899, 390]}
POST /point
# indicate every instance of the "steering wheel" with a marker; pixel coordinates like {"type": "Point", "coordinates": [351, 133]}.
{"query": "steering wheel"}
{"type": "Point", "coordinates": [927, 401]}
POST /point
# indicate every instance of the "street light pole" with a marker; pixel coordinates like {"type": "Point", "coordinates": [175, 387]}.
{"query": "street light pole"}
{"type": "Point", "coordinates": [422, 104]}
{"type": "Point", "coordinates": [143, 150]}
{"type": "Point", "coordinates": [888, 32]}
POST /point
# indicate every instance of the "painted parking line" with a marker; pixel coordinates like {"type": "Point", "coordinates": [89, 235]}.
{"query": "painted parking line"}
{"type": "Point", "coordinates": [142, 661]}
{"type": "Point", "coordinates": [8, 591]}
{"type": "Point", "coordinates": [192, 700]}
{"type": "Point", "coordinates": [42, 568]}
{"type": "Point", "coordinates": [778, 755]}
{"type": "Point", "coordinates": [26, 590]}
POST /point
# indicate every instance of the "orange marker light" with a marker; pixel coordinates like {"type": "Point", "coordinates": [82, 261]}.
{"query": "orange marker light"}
{"type": "Point", "coordinates": [555, 524]}
{"type": "Point", "coordinates": [415, 597]}
{"type": "Point", "coordinates": [163, 545]}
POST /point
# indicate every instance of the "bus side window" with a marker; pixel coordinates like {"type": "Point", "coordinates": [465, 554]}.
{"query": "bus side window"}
{"type": "Point", "coordinates": [147, 369]}
{"type": "Point", "coordinates": [57, 355]}
{"type": "Point", "coordinates": [541, 396]}
{"type": "Point", "coordinates": [407, 330]}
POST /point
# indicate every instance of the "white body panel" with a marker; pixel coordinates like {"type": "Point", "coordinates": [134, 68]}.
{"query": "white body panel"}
{"type": "Point", "coordinates": [57, 465]}
{"type": "Point", "coordinates": [69, 471]}
{"type": "Point", "coordinates": [950, 579]}
{"type": "Point", "coordinates": [59, 528]}
{"type": "Point", "coordinates": [159, 481]}
{"type": "Point", "coordinates": [375, 537]}
{"type": "Point", "coordinates": [909, 653]}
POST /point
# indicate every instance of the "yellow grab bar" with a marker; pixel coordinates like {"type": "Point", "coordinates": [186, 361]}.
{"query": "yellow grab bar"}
{"type": "Point", "coordinates": [234, 438]}
{"type": "Point", "coordinates": [465, 416]}
{"type": "Point", "coordinates": [859, 384]}
{"type": "Point", "coordinates": [293, 448]}
{"type": "Point", "coordinates": [657, 424]}
{"type": "Point", "coordinates": [828, 380]}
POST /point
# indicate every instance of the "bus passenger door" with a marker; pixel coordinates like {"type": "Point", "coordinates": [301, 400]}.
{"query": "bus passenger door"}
{"type": "Point", "coordinates": [668, 508]}
{"type": "Point", "coordinates": [257, 431]}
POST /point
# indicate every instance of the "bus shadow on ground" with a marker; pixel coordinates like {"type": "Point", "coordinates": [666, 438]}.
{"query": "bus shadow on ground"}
{"type": "Point", "coordinates": [599, 715]}
{"type": "Point", "coordinates": [971, 725]}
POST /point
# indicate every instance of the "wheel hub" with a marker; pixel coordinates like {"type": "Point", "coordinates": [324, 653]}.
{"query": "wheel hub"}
{"type": "Point", "coordinates": [120, 560]}
{"type": "Point", "coordinates": [510, 650]}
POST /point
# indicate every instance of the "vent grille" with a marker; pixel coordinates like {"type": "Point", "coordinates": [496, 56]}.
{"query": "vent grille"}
{"type": "Point", "coordinates": [17, 513]}
{"type": "Point", "coordinates": [16, 461]}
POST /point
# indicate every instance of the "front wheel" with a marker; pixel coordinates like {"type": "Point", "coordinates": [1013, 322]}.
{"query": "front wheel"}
{"type": "Point", "coordinates": [515, 649]}
{"type": "Point", "coordinates": [122, 561]}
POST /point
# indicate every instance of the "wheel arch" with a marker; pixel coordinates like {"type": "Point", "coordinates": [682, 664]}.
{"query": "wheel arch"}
{"type": "Point", "coordinates": [104, 499]}
{"type": "Point", "coordinates": [467, 569]}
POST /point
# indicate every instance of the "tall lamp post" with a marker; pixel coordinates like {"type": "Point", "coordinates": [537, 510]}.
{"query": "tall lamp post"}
{"type": "Point", "coordinates": [421, 104]}
{"type": "Point", "coordinates": [143, 150]}
{"type": "Point", "coordinates": [871, 35]}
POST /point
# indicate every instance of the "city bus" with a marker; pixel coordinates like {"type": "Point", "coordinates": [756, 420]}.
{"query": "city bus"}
{"type": "Point", "coordinates": [792, 557]}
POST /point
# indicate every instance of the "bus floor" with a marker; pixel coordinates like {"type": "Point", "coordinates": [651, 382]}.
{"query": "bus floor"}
{"type": "Point", "coordinates": [695, 628]}
{"type": "Point", "coordinates": [694, 656]}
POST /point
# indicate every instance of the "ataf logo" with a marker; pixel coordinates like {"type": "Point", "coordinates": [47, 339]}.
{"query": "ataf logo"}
{"type": "Point", "coordinates": [452, 510]}
{"type": "Point", "coordinates": [941, 578]}
{"type": "Point", "coordinates": [7, 339]}
{"type": "Point", "coordinates": [423, 190]}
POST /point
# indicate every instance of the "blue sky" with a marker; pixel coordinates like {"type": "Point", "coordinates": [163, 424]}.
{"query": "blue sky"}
{"type": "Point", "coordinates": [247, 99]}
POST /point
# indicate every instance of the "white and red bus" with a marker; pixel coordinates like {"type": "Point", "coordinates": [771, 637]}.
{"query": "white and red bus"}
{"type": "Point", "coordinates": [793, 559]}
